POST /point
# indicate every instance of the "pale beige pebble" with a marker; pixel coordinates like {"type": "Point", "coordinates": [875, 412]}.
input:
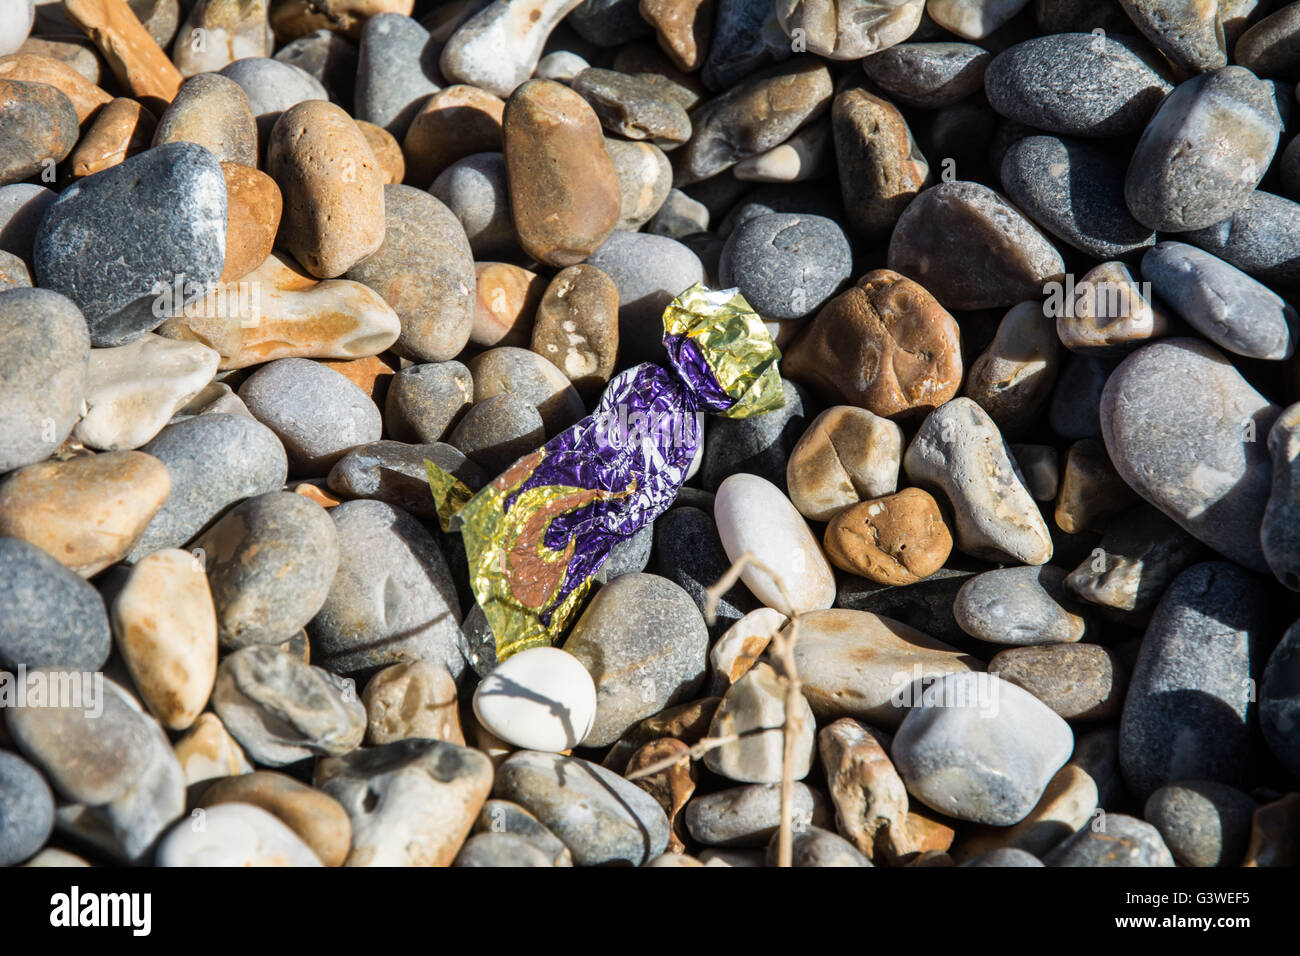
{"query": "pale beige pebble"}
{"type": "Point", "coordinates": [165, 627]}
{"type": "Point", "coordinates": [801, 157]}
{"type": "Point", "coordinates": [645, 178]}
{"type": "Point", "coordinates": [862, 665]}
{"type": "Point", "coordinates": [135, 58]}
{"type": "Point", "coordinates": [207, 751]}
{"type": "Point", "coordinates": [278, 311]}
{"type": "Point", "coordinates": [849, 29]}
{"type": "Point", "coordinates": [413, 699]}
{"type": "Point", "coordinates": [754, 517]}
{"type": "Point", "coordinates": [388, 152]}
{"type": "Point", "coordinates": [296, 18]}
{"type": "Point", "coordinates": [51, 856]}
{"type": "Point", "coordinates": [754, 711]}
{"type": "Point", "coordinates": [499, 46]}
{"type": "Point", "coordinates": [119, 131]}
{"type": "Point", "coordinates": [1012, 379]}
{"type": "Point", "coordinates": [317, 818]}
{"type": "Point", "coordinates": [133, 390]}
{"type": "Point", "coordinates": [86, 512]}
{"type": "Point", "coordinates": [722, 857]}
{"type": "Point", "coordinates": [869, 796]}
{"type": "Point", "coordinates": [846, 455]}
{"type": "Point", "coordinates": [332, 185]}
{"type": "Point", "coordinates": [87, 98]}
{"type": "Point", "coordinates": [505, 302]}
{"type": "Point", "coordinates": [214, 398]}
{"type": "Point", "coordinates": [1108, 315]}
{"type": "Point", "coordinates": [972, 19]}
{"type": "Point", "coordinates": [742, 646]}
{"type": "Point", "coordinates": [218, 32]}
{"type": "Point", "coordinates": [1068, 803]}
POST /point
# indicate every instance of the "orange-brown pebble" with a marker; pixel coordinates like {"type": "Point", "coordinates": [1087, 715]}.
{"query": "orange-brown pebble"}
{"type": "Point", "coordinates": [119, 131]}
{"type": "Point", "coordinates": [506, 298]}
{"type": "Point", "coordinates": [291, 19]}
{"type": "Point", "coordinates": [135, 58]}
{"type": "Point", "coordinates": [671, 787]}
{"type": "Point", "coordinates": [316, 817]}
{"type": "Point", "coordinates": [87, 98]}
{"type": "Point", "coordinates": [452, 124]}
{"type": "Point", "coordinates": [370, 374]}
{"type": "Point", "coordinates": [683, 27]}
{"type": "Point", "coordinates": [253, 206]}
{"type": "Point", "coordinates": [388, 152]}
{"type": "Point", "coordinates": [897, 539]}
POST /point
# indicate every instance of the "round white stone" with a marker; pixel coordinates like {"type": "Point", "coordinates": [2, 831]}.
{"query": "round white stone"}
{"type": "Point", "coordinates": [234, 834]}
{"type": "Point", "coordinates": [539, 699]}
{"type": "Point", "coordinates": [753, 515]}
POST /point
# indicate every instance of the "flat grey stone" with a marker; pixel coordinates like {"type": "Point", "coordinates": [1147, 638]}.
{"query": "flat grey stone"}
{"type": "Point", "coordinates": [49, 616]}
{"type": "Point", "coordinates": [1019, 606]}
{"type": "Point", "coordinates": [748, 815]}
{"type": "Point", "coordinates": [1262, 239]}
{"type": "Point", "coordinates": [395, 472]}
{"type": "Point", "coordinates": [929, 75]}
{"type": "Point", "coordinates": [786, 265]}
{"type": "Point", "coordinates": [397, 68]}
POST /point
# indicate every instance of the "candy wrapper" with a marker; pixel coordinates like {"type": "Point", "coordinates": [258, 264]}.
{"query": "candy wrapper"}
{"type": "Point", "coordinates": [536, 536]}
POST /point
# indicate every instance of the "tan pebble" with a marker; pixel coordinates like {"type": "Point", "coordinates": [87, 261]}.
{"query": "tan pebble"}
{"type": "Point", "coordinates": [166, 631]}
{"type": "Point", "coordinates": [846, 455]}
{"type": "Point", "coordinates": [332, 186]}
{"type": "Point", "coordinates": [120, 130]}
{"type": "Point", "coordinates": [922, 833]}
{"type": "Point", "coordinates": [253, 207]}
{"type": "Point", "coordinates": [1108, 314]}
{"type": "Point", "coordinates": [316, 817]}
{"type": "Point", "coordinates": [1092, 492]}
{"type": "Point", "coordinates": [86, 512]}
{"type": "Point", "coordinates": [576, 327]}
{"type": "Point", "coordinates": [213, 111]}
{"type": "Point", "coordinates": [482, 739]}
{"type": "Point", "coordinates": [898, 539]}
{"type": "Point", "coordinates": [869, 796]}
{"type": "Point", "coordinates": [75, 51]}
{"type": "Point", "coordinates": [506, 299]}
{"type": "Point", "coordinates": [564, 191]}
{"type": "Point", "coordinates": [1012, 379]}
{"type": "Point", "coordinates": [415, 699]}
{"type": "Point", "coordinates": [683, 27]}
{"type": "Point", "coordinates": [135, 58]}
{"type": "Point", "coordinates": [388, 152]}
{"type": "Point", "coordinates": [207, 751]}
{"type": "Point", "coordinates": [87, 98]}
{"type": "Point", "coordinates": [451, 124]}
{"type": "Point", "coordinates": [296, 18]}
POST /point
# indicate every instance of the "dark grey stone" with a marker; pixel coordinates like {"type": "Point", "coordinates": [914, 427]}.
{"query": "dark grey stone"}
{"type": "Point", "coordinates": [759, 445]}
{"type": "Point", "coordinates": [1118, 840]}
{"type": "Point", "coordinates": [689, 553]}
{"type": "Point", "coordinates": [26, 809]}
{"type": "Point", "coordinates": [1075, 411]}
{"type": "Point", "coordinates": [394, 472]}
{"type": "Point", "coordinates": [929, 75]}
{"type": "Point", "coordinates": [925, 605]}
{"type": "Point", "coordinates": [1203, 823]}
{"type": "Point", "coordinates": [1261, 238]}
{"type": "Point", "coordinates": [1004, 856]}
{"type": "Point", "coordinates": [397, 68]}
{"type": "Point", "coordinates": [497, 431]}
{"type": "Point", "coordinates": [48, 615]}
{"type": "Point", "coordinates": [786, 265]}
{"type": "Point", "coordinates": [1279, 701]}
{"type": "Point", "coordinates": [608, 22]}
{"type": "Point", "coordinates": [746, 38]}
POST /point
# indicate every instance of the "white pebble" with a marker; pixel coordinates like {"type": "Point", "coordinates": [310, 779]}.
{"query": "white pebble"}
{"type": "Point", "coordinates": [539, 699]}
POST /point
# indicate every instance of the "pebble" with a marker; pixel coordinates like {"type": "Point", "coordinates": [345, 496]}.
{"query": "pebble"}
{"type": "Point", "coordinates": [959, 451]}
{"type": "Point", "coordinates": [539, 699]}
{"type": "Point", "coordinates": [817, 847]}
{"type": "Point", "coordinates": [1272, 833]}
{"type": "Point", "coordinates": [1012, 379]}
{"type": "Point", "coordinates": [475, 189]}
{"type": "Point", "coordinates": [1078, 681]}
{"type": "Point", "coordinates": [576, 327]}
{"type": "Point", "coordinates": [564, 191]}
{"type": "Point", "coordinates": [15, 25]}
{"type": "Point", "coordinates": [1186, 709]}
{"type": "Point", "coordinates": [980, 749]}
{"type": "Point", "coordinates": [679, 216]}
{"type": "Point", "coordinates": [1019, 606]}
{"type": "Point", "coordinates": [272, 88]}
{"type": "Point", "coordinates": [48, 615]}
{"type": "Point", "coordinates": [560, 65]}
{"type": "Point", "coordinates": [392, 599]}
{"type": "Point", "coordinates": [1076, 84]}
{"type": "Point", "coordinates": [971, 249]}
{"type": "Point", "coordinates": [1267, 48]}
{"type": "Point", "coordinates": [424, 269]}
{"type": "Point", "coordinates": [748, 815]}
{"type": "Point", "coordinates": [235, 834]}
{"type": "Point", "coordinates": [800, 158]}
{"type": "Point", "coordinates": [416, 699]}
{"type": "Point", "coordinates": [40, 128]}
{"type": "Point", "coordinates": [86, 96]}
{"type": "Point", "coordinates": [527, 376]}
{"type": "Point", "coordinates": [608, 22]}
{"type": "Point", "coordinates": [752, 117]}
{"type": "Point", "coordinates": [27, 816]}
{"type": "Point", "coordinates": [425, 401]}
{"type": "Point", "coordinates": [454, 123]}
{"type": "Point", "coordinates": [1201, 822]}
{"type": "Point", "coordinates": [1204, 466]}
{"type": "Point", "coordinates": [505, 303]}
{"type": "Point", "coordinates": [317, 819]}
{"type": "Point", "coordinates": [1117, 840]}
{"type": "Point", "coordinates": [908, 356]}
{"type": "Point", "coordinates": [741, 646]}
{"type": "Point", "coordinates": [1005, 856]}
{"type": "Point", "coordinates": [395, 473]}
{"type": "Point", "coordinates": [881, 168]}
{"type": "Point", "coordinates": [786, 266]}
{"type": "Point", "coordinates": [387, 150]}
{"type": "Point", "coordinates": [1140, 554]}
{"type": "Point", "coordinates": [1189, 34]}
{"type": "Point", "coordinates": [136, 59]}
{"type": "Point", "coordinates": [499, 46]}
{"type": "Point", "coordinates": [671, 787]}
{"type": "Point", "coordinates": [500, 849]}
{"type": "Point", "coordinates": [1068, 803]}
{"type": "Point", "coordinates": [1092, 492]}
{"type": "Point", "coordinates": [754, 710]}
{"type": "Point", "coordinates": [929, 75]}
{"type": "Point", "coordinates": [648, 272]}
{"type": "Point", "coordinates": [1221, 302]}
{"type": "Point", "coordinates": [208, 752]}
{"type": "Point", "coordinates": [121, 129]}
{"type": "Point", "coordinates": [333, 190]}
{"type": "Point", "coordinates": [758, 445]}
{"type": "Point", "coordinates": [1074, 190]}
{"type": "Point", "coordinates": [1279, 699]}
{"type": "Point", "coordinates": [1204, 151]}
{"type": "Point", "coordinates": [896, 539]}
{"type": "Point", "coordinates": [634, 106]}
{"type": "Point", "coordinates": [754, 516]}
{"type": "Point", "coordinates": [498, 430]}
{"type": "Point", "coordinates": [863, 665]}
{"type": "Point", "coordinates": [1075, 411]}
{"type": "Point", "coordinates": [132, 391]}
{"type": "Point", "coordinates": [1108, 315]}
{"type": "Point", "coordinates": [294, 18]}
{"type": "Point", "coordinates": [645, 179]}
{"type": "Point", "coordinates": [683, 28]}
{"type": "Point", "coordinates": [602, 818]}
{"type": "Point", "coordinates": [277, 311]}
{"type": "Point", "coordinates": [845, 456]}
{"type": "Point", "coordinates": [283, 710]}
{"type": "Point", "coordinates": [397, 69]}
{"type": "Point", "coordinates": [868, 794]}
{"type": "Point", "coordinates": [504, 817]}
{"type": "Point", "coordinates": [22, 206]}
{"type": "Point", "coordinates": [317, 413]}
{"type": "Point", "coordinates": [1260, 239]}
{"type": "Point", "coordinates": [644, 644]}
{"type": "Point", "coordinates": [229, 30]}
{"type": "Point", "coordinates": [689, 553]}
{"type": "Point", "coordinates": [270, 561]}
{"type": "Point", "coordinates": [161, 214]}
{"type": "Point", "coordinates": [253, 210]}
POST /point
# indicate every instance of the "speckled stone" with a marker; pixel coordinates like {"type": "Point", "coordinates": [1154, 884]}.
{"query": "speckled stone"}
{"type": "Point", "coordinates": [395, 472]}
{"type": "Point", "coordinates": [1021, 606]}
{"type": "Point", "coordinates": [425, 270]}
{"type": "Point", "coordinates": [497, 431]}
{"type": "Point", "coordinates": [1075, 84]}
{"type": "Point", "coordinates": [392, 599]}
{"type": "Point", "coordinates": [1078, 681]}
{"type": "Point", "coordinates": [1204, 151]}
{"type": "Point", "coordinates": [27, 814]}
{"type": "Point", "coordinates": [1203, 823]}
{"type": "Point", "coordinates": [1068, 803]}
{"type": "Point", "coordinates": [397, 68]}
{"type": "Point", "coordinates": [1262, 238]}
{"type": "Point", "coordinates": [1186, 432]}
{"type": "Point", "coordinates": [213, 111]}
{"type": "Point", "coordinates": [1221, 302]}
{"type": "Point", "coordinates": [48, 615]}
{"type": "Point", "coordinates": [161, 214]}
{"type": "Point", "coordinates": [214, 461]}
{"type": "Point", "coordinates": [39, 126]}
{"type": "Point", "coordinates": [475, 189]}
{"type": "Point", "coordinates": [1114, 840]}
{"type": "Point", "coordinates": [971, 248]}
{"type": "Point", "coordinates": [786, 265]}
{"type": "Point", "coordinates": [43, 367]}
{"type": "Point", "coordinates": [1190, 34]}
{"type": "Point", "coordinates": [747, 816]}
{"type": "Point", "coordinates": [1186, 710]}
{"type": "Point", "coordinates": [929, 75]}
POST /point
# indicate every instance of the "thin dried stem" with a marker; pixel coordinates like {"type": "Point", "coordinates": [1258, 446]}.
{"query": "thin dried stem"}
{"type": "Point", "coordinates": [704, 745]}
